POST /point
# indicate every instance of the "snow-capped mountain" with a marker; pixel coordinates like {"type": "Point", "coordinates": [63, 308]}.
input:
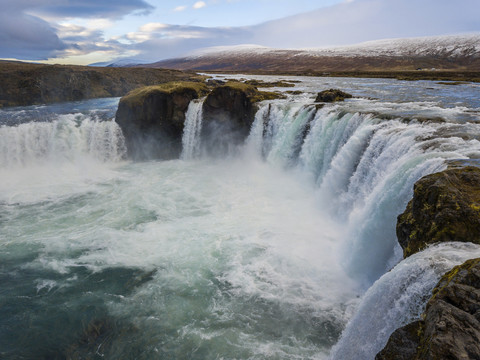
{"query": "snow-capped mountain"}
{"type": "Point", "coordinates": [460, 52]}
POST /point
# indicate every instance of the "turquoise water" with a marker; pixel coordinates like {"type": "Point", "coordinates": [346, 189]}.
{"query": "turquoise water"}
{"type": "Point", "coordinates": [269, 252]}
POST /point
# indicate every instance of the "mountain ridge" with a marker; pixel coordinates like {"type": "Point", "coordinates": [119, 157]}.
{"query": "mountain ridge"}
{"type": "Point", "coordinates": [453, 52]}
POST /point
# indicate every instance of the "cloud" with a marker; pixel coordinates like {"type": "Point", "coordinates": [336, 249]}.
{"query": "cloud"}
{"type": "Point", "coordinates": [25, 34]}
{"type": "Point", "coordinates": [363, 20]}
{"type": "Point", "coordinates": [199, 5]}
{"type": "Point", "coordinates": [27, 37]}
{"type": "Point", "coordinates": [87, 8]}
{"type": "Point", "coordinates": [180, 8]}
{"type": "Point", "coordinates": [348, 22]}
{"type": "Point", "coordinates": [176, 40]}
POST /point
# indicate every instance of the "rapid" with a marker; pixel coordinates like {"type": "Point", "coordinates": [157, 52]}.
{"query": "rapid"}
{"type": "Point", "coordinates": [281, 248]}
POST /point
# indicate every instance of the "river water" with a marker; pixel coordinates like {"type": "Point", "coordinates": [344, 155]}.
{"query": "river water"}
{"type": "Point", "coordinates": [277, 249]}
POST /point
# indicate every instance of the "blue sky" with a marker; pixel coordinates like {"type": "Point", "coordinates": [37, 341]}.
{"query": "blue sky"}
{"type": "Point", "coordinates": [87, 31]}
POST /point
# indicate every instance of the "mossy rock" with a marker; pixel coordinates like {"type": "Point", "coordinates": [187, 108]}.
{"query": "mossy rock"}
{"type": "Point", "coordinates": [228, 114]}
{"type": "Point", "coordinates": [445, 207]}
{"type": "Point", "coordinates": [449, 327]}
{"type": "Point", "coordinates": [152, 118]}
{"type": "Point", "coordinates": [332, 95]}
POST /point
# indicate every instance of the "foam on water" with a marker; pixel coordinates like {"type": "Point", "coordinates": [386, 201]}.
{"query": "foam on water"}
{"type": "Point", "coordinates": [265, 254]}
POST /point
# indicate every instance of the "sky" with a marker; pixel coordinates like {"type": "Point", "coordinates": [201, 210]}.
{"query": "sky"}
{"type": "Point", "coordinates": [89, 31]}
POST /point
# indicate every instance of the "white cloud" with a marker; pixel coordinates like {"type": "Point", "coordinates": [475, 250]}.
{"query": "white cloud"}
{"type": "Point", "coordinates": [152, 27]}
{"type": "Point", "coordinates": [180, 8]}
{"type": "Point", "coordinates": [199, 5]}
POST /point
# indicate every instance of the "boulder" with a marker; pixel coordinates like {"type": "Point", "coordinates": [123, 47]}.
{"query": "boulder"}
{"type": "Point", "coordinates": [332, 95]}
{"type": "Point", "coordinates": [228, 114]}
{"type": "Point", "coordinates": [152, 118]}
{"type": "Point", "coordinates": [450, 326]}
{"type": "Point", "coordinates": [445, 207]}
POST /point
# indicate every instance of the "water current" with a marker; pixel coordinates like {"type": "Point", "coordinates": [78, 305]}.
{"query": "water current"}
{"type": "Point", "coordinates": [284, 248]}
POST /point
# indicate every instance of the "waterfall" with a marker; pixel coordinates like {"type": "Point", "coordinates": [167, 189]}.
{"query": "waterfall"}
{"type": "Point", "coordinates": [64, 139]}
{"type": "Point", "coordinates": [363, 168]}
{"type": "Point", "coordinates": [398, 298]}
{"type": "Point", "coordinates": [191, 130]}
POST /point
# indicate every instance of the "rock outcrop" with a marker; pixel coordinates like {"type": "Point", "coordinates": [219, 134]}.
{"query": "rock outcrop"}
{"type": "Point", "coordinates": [228, 114]}
{"type": "Point", "coordinates": [445, 207]}
{"type": "Point", "coordinates": [152, 118]}
{"type": "Point", "coordinates": [332, 95]}
{"type": "Point", "coordinates": [28, 84]}
{"type": "Point", "coordinates": [450, 326]}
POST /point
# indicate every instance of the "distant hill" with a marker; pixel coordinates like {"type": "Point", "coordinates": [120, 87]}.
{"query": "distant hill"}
{"type": "Point", "coordinates": [28, 84]}
{"type": "Point", "coordinates": [459, 53]}
{"type": "Point", "coordinates": [125, 62]}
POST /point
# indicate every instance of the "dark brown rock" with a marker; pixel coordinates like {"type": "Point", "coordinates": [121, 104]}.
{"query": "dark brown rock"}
{"type": "Point", "coordinates": [445, 207]}
{"type": "Point", "coordinates": [332, 95]}
{"type": "Point", "coordinates": [450, 328]}
{"type": "Point", "coordinates": [402, 344]}
{"type": "Point", "coordinates": [152, 118]}
{"type": "Point", "coordinates": [228, 114]}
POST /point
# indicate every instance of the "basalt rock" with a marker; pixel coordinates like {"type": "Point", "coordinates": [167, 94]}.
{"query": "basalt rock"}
{"type": "Point", "coordinates": [450, 325]}
{"type": "Point", "coordinates": [228, 114]}
{"type": "Point", "coordinates": [152, 118]}
{"type": "Point", "coordinates": [445, 207]}
{"type": "Point", "coordinates": [332, 95]}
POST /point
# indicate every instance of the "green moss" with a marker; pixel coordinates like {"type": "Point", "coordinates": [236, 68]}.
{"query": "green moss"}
{"type": "Point", "coordinates": [451, 275]}
{"type": "Point", "coordinates": [475, 207]}
{"type": "Point", "coordinates": [252, 93]}
{"type": "Point", "coordinates": [137, 96]}
{"type": "Point", "coordinates": [267, 95]}
{"type": "Point", "coordinates": [445, 207]}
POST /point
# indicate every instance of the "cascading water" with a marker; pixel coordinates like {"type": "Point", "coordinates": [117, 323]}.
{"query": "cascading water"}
{"type": "Point", "coordinates": [65, 139]}
{"type": "Point", "coordinates": [364, 168]}
{"type": "Point", "coordinates": [191, 131]}
{"type": "Point", "coordinates": [271, 253]}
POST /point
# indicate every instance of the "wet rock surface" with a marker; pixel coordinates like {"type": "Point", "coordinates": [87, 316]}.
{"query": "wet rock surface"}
{"type": "Point", "coordinates": [450, 325]}
{"type": "Point", "coordinates": [445, 207]}
{"type": "Point", "coordinates": [332, 95]}
{"type": "Point", "coordinates": [152, 119]}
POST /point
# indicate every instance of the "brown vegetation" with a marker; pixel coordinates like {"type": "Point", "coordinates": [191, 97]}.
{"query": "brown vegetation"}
{"type": "Point", "coordinates": [28, 84]}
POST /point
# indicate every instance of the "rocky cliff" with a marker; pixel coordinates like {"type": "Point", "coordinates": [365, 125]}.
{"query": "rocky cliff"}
{"type": "Point", "coordinates": [29, 84]}
{"type": "Point", "coordinates": [445, 207]}
{"type": "Point", "coordinates": [450, 325]}
{"type": "Point", "coordinates": [152, 118]}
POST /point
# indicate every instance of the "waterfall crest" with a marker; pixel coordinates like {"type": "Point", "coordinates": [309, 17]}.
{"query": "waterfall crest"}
{"type": "Point", "coordinates": [64, 139]}
{"type": "Point", "coordinates": [362, 166]}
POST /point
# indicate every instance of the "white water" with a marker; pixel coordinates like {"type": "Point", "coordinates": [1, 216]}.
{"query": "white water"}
{"type": "Point", "coordinates": [191, 132]}
{"type": "Point", "coordinates": [266, 254]}
{"type": "Point", "coordinates": [363, 169]}
{"type": "Point", "coordinates": [397, 299]}
{"type": "Point", "coordinates": [66, 139]}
